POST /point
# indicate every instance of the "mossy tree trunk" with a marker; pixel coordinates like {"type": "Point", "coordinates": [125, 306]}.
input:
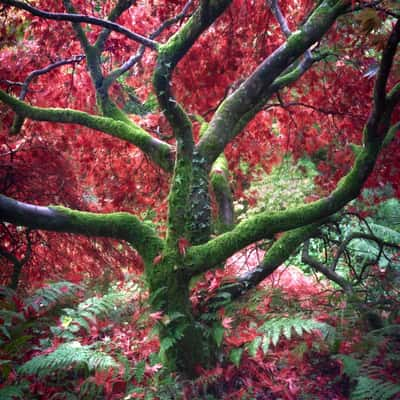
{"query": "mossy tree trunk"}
{"type": "Point", "coordinates": [196, 168]}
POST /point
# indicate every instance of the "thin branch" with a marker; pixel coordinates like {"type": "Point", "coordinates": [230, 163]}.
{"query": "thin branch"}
{"type": "Point", "coordinates": [113, 75]}
{"type": "Point", "coordinates": [359, 235]}
{"type": "Point", "coordinates": [80, 18]}
{"type": "Point", "coordinates": [328, 272]}
{"type": "Point", "coordinates": [310, 106]}
{"type": "Point", "coordinates": [117, 11]}
{"type": "Point", "coordinates": [45, 70]}
{"type": "Point", "coordinates": [18, 119]}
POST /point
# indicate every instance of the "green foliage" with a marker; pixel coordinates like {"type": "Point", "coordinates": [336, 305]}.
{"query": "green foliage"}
{"type": "Point", "coordinates": [388, 214]}
{"type": "Point", "coordinates": [284, 187]}
{"type": "Point", "coordinates": [273, 330]}
{"type": "Point", "coordinates": [71, 355]}
{"type": "Point", "coordinates": [368, 380]}
{"type": "Point", "coordinates": [109, 306]}
{"type": "Point", "coordinates": [373, 389]}
{"type": "Point", "coordinates": [14, 392]}
{"type": "Point", "coordinates": [235, 356]}
{"type": "Point", "coordinates": [21, 321]}
{"type": "Point", "coordinates": [52, 294]}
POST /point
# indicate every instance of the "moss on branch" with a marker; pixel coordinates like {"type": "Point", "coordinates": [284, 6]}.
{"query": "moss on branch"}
{"type": "Point", "coordinates": [266, 224]}
{"type": "Point", "coordinates": [121, 225]}
{"type": "Point", "coordinates": [156, 149]}
{"type": "Point", "coordinates": [234, 113]}
{"type": "Point", "coordinates": [276, 255]}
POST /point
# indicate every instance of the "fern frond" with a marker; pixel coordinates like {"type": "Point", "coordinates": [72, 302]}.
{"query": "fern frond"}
{"type": "Point", "coordinates": [273, 330]}
{"type": "Point", "coordinates": [89, 311]}
{"type": "Point", "coordinates": [68, 356]}
{"type": "Point", "coordinates": [14, 392]}
{"type": "Point", "coordinates": [374, 389]}
{"type": "Point", "coordinates": [51, 294]}
{"type": "Point", "coordinates": [351, 366]}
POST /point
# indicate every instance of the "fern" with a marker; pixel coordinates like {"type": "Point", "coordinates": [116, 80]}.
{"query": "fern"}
{"type": "Point", "coordinates": [351, 366]}
{"type": "Point", "coordinates": [67, 356]}
{"type": "Point", "coordinates": [89, 311]}
{"type": "Point", "coordinates": [51, 294]}
{"type": "Point", "coordinates": [389, 213]}
{"type": "Point", "coordinates": [275, 328]}
{"type": "Point", "coordinates": [14, 392]}
{"type": "Point", "coordinates": [373, 389]}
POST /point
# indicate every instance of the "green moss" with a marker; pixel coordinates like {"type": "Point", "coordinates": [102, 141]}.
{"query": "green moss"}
{"type": "Point", "coordinates": [178, 201]}
{"type": "Point", "coordinates": [119, 225]}
{"type": "Point", "coordinates": [265, 224]}
{"type": "Point", "coordinates": [199, 219]}
{"type": "Point", "coordinates": [159, 151]}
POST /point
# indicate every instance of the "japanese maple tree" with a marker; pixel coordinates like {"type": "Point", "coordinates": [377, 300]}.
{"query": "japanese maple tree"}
{"type": "Point", "coordinates": [153, 107]}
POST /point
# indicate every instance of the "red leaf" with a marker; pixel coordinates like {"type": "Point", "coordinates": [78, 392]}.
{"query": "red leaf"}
{"type": "Point", "coordinates": [158, 259]}
{"type": "Point", "coordinates": [182, 245]}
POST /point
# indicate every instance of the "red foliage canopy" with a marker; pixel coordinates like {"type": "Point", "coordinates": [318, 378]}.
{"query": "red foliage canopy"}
{"type": "Point", "coordinates": [48, 163]}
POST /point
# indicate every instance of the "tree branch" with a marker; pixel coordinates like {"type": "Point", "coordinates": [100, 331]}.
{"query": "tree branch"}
{"type": "Point", "coordinates": [113, 75]}
{"type": "Point", "coordinates": [169, 55]}
{"type": "Point", "coordinates": [117, 11]}
{"type": "Point", "coordinates": [18, 120]}
{"type": "Point", "coordinates": [156, 149]}
{"type": "Point", "coordinates": [266, 224]}
{"type": "Point", "coordinates": [328, 272]}
{"type": "Point", "coordinates": [219, 177]}
{"type": "Point", "coordinates": [122, 225]}
{"type": "Point", "coordinates": [276, 255]}
{"type": "Point", "coordinates": [80, 18]}
{"type": "Point", "coordinates": [235, 111]}
{"type": "Point", "coordinates": [379, 119]}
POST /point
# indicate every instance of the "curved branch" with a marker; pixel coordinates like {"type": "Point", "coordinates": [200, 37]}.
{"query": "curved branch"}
{"type": "Point", "coordinates": [275, 256]}
{"type": "Point", "coordinates": [266, 224]}
{"type": "Point", "coordinates": [156, 149]}
{"type": "Point", "coordinates": [235, 112]}
{"type": "Point", "coordinates": [18, 120]}
{"type": "Point", "coordinates": [379, 119]}
{"type": "Point", "coordinates": [121, 225]}
{"type": "Point", "coordinates": [80, 18]}
{"type": "Point", "coordinates": [172, 52]}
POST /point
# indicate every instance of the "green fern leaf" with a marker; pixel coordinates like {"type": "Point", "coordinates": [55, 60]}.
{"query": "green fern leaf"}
{"type": "Point", "coordinates": [140, 368]}
{"type": "Point", "coordinates": [14, 392]}
{"type": "Point", "coordinates": [273, 329]}
{"type": "Point", "coordinates": [351, 366]}
{"type": "Point", "coordinates": [166, 343]}
{"type": "Point", "coordinates": [373, 389]}
{"type": "Point", "coordinates": [70, 355]}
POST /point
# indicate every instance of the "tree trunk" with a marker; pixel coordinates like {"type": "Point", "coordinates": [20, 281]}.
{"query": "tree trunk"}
{"type": "Point", "coordinates": [185, 343]}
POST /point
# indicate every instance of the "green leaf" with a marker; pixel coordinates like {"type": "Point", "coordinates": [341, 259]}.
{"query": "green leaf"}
{"type": "Point", "coordinates": [218, 334]}
{"type": "Point", "coordinates": [235, 356]}
{"type": "Point", "coordinates": [166, 343]}
{"type": "Point", "coordinates": [253, 346]}
{"type": "Point", "coordinates": [140, 370]}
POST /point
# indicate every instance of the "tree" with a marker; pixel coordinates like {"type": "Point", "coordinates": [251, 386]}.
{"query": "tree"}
{"type": "Point", "coordinates": [217, 68]}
